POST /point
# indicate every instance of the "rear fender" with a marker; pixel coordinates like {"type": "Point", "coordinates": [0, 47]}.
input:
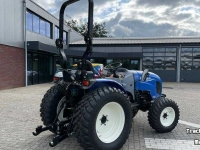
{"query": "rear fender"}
{"type": "Point", "coordinates": [97, 83]}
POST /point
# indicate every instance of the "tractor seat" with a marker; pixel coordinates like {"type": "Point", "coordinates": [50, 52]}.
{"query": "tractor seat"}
{"type": "Point", "coordinates": [88, 69]}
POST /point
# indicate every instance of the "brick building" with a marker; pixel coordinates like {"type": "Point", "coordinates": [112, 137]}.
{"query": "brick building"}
{"type": "Point", "coordinates": [27, 44]}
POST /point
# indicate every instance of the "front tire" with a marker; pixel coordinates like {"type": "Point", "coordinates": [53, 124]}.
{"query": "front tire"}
{"type": "Point", "coordinates": [105, 119]}
{"type": "Point", "coordinates": [163, 115]}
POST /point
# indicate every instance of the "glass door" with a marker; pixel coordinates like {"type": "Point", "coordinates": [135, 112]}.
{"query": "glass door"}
{"type": "Point", "coordinates": [51, 68]}
{"type": "Point", "coordinates": [35, 68]}
{"type": "Point", "coordinates": [29, 69]}
{"type": "Point", "coordinates": [46, 68]}
{"type": "Point", "coordinates": [41, 69]}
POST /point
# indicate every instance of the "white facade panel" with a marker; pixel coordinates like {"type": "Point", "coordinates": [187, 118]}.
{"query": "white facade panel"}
{"type": "Point", "coordinates": [31, 36]}
{"type": "Point", "coordinates": [9, 22]}
{"type": "Point", "coordinates": [74, 36]}
{"type": "Point", "coordinates": [2, 22]}
{"type": "Point", "coordinates": [12, 24]}
{"type": "Point", "coordinates": [19, 23]}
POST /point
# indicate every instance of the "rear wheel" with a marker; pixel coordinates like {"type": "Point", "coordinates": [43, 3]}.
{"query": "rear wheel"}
{"type": "Point", "coordinates": [51, 104]}
{"type": "Point", "coordinates": [163, 115]}
{"type": "Point", "coordinates": [104, 119]}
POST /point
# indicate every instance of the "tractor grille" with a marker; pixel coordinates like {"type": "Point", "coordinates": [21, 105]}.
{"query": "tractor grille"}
{"type": "Point", "coordinates": [158, 87]}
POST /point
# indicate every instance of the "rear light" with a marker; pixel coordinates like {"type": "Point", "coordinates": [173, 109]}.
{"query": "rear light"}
{"type": "Point", "coordinates": [100, 71]}
{"type": "Point", "coordinates": [96, 76]}
{"type": "Point", "coordinates": [85, 83]}
{"type": "Point", "coordinates": [55, 78]}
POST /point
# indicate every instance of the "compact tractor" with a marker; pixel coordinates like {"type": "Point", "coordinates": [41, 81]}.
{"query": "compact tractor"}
{"type": "Point", "coordinates": [99, 112]}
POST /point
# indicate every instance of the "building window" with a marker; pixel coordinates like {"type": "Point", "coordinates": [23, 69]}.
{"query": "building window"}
{"type": "Point", "coordinates": [48, 29]}
{"type": "Point", "coordinates": [108, 61]}
{"type": "Point", "coordinates": [65, 35]}
{"type": "Point", "coordinates": [56, 33]}
{"type": "Point", "coordinates": [159, 58]}
{"type": "Point", "coordinates": [135, 64]}
{"type": "Point", "coordinates": [190, 58]}
{"type": "Point", "coordinates": [38, 24]}
{"type": "Point", "coordinates": [42, 27]}
{"type": "Point", "coordinates": [29, 21]}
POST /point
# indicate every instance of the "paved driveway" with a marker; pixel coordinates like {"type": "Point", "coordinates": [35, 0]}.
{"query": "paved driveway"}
{"type": "Point", "coordinates": [19, 115]}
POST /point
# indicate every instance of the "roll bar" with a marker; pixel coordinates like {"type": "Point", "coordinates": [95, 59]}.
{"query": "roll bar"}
{"type": "Point", "coordinates": [88, 37]}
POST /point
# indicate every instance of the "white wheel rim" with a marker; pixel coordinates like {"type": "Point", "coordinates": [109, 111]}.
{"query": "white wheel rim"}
{"type": "Point", "coordinates": [167, 116]}
{"type": "Point", "coordinates": [110, 122]}
{"type": "Point", "coordinates": [60, 116]}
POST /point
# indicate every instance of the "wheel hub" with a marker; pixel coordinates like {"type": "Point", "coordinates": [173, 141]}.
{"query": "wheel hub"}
{"type": "Point", "coordinates": [165, 115]}
{"type": "Point", "coordinates": [65, 112]}
{"type": "Point", "coordinates": [104, 119]}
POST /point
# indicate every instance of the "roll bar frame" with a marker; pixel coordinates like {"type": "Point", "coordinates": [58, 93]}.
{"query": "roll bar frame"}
{"type": "Point", "coordinates": [87, 37]}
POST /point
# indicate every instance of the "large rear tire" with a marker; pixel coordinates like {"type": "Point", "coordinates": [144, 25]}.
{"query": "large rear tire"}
{"type": "Point", "coordinates": [163, 115]}
{"type": "Point", "coordinates": [51, 103]}
{"type": "Point", "coordinates": [103, 119]}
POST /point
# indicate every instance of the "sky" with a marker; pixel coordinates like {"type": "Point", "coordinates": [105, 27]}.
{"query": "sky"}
{"type": "Point", "coordinates": [136, 18]}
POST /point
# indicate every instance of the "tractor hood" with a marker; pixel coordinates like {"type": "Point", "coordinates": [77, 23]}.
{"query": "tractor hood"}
{"type": "Point", "coordinates": [138, 75]}
{"type": "Point", "coordinates": [153, 83]}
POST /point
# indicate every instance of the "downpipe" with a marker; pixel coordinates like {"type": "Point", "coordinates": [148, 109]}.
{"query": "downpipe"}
{"type": "Point", "coordinates": [25, 42]}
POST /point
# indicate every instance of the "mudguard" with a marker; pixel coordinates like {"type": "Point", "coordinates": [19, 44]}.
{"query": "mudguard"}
{"type": "Point", "coordinates": [97, 83]}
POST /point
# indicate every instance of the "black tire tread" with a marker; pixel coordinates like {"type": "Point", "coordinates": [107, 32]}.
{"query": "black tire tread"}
{"type": "Point", "coordinates": [49, 101]}
{"type": "Point", "coordinates": [83, 112]}
{"type": "Point", "coordinates": [154, 114]}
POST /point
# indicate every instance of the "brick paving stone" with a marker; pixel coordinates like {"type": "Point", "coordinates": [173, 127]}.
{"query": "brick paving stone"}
{"type": "Point", "coordinates": [19, 115]}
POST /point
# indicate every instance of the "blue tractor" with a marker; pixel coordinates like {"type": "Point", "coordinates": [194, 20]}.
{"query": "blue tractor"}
{"type": "Point", "coordinates": [99, 112]}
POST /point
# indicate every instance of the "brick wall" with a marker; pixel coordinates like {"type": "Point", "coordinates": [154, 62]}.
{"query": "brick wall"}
{"type": "Point", "coordinates": [12, 67]}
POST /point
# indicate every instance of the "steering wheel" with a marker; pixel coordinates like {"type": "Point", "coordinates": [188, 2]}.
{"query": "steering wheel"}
{"type": "Point", "coordinates": [113, 66]}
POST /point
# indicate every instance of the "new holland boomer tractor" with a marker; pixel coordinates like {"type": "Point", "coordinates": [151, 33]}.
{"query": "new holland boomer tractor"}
{"type": "Point", "coordinates": [99, 112]}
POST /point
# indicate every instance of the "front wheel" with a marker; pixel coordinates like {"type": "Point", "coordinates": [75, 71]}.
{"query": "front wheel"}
{"type": "Point", "coordinates": [105, 119]}
{"type": "Point", "coordinates": [163, 115]}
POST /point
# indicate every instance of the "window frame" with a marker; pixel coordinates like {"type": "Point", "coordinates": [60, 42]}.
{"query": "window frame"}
{"type": "Point", "coordinates": [43, 19]}
{"type": "Point", "coordinates": [56, 29]}
{"type": "Point", "coordinates": [192, 62]}
{"type": "Point", "coordinates": [159, 57]}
